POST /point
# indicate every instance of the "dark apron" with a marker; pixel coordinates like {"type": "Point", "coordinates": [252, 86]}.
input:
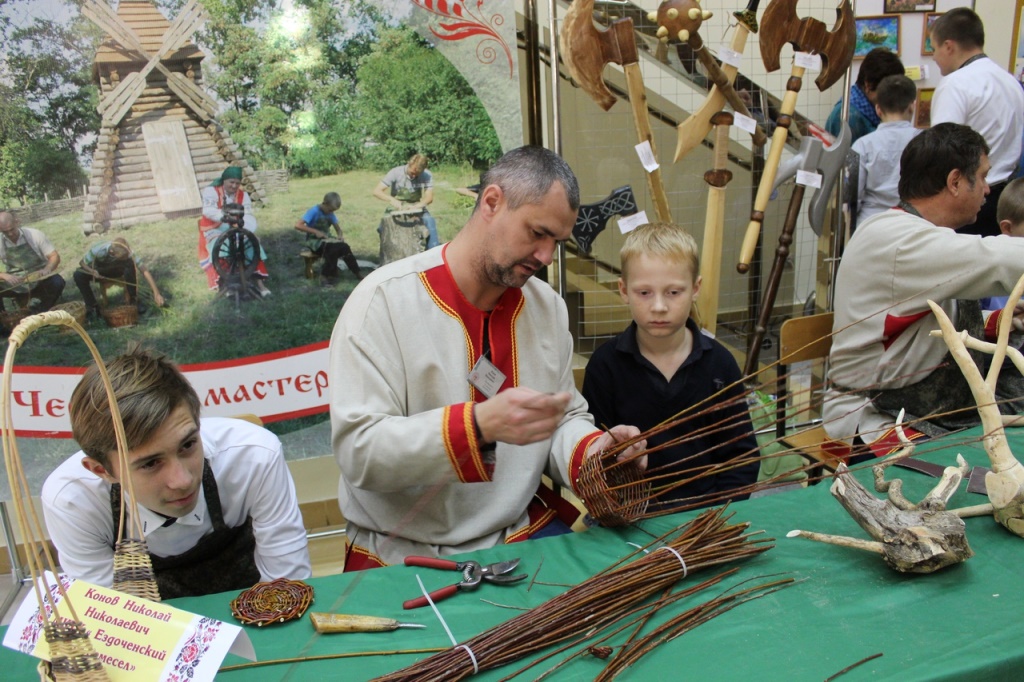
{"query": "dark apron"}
{"type": "Point", "coordinates": [23, 260]}
{"type": "Point", "coordinates": [223, 560]}
{"type": "Point", "coordinates": [946, 389]}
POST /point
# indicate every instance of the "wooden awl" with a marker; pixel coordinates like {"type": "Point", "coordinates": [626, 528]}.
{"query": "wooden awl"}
{"type": "Point", "coordinates": [340, 622]}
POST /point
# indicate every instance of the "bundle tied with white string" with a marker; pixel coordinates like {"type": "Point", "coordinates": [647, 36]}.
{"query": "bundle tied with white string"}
{"type": "Point", "coordinates": [595, 603]}
{"type": "Point", "coordinates": [72, 656]}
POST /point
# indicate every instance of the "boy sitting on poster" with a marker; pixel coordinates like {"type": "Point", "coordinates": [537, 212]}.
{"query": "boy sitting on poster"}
{"type": "Point", "coordinates": [662, 364]}
{"type": "Point", "coordinates": [217, 507]}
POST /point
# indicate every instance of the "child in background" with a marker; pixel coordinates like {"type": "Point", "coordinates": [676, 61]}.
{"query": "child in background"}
{"type": "Point", "coordinates": [316, 225]}
{"type": "Point", "coordinates": [1010, 214]}
{"type": "Point", "coordinates": [662, 364]}
{"type": "Point", "coordinates": [880, 151]}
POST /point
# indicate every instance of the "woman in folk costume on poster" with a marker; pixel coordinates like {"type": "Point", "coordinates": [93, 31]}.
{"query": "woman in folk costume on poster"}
{"type": "Point", "coordinates": [227, 189]}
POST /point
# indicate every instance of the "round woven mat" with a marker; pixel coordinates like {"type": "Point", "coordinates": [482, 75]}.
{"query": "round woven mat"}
{"type": "Point", "coordinates": [273, 602]}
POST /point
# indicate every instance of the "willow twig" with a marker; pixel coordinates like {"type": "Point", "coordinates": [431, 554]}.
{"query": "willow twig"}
{"type": "Point", "coordinates": [326, 657]}
{"type": "Point", "coordinates": [851, 667]}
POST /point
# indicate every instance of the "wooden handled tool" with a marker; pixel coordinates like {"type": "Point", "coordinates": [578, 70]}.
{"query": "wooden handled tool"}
{"type": "Point", "coordinates": [585, 51]}
{"type": "Point", "coordinates": [711, 253]}
{"type": "Point", "coordinates": [696, 127]}
{"type": "Point", "coordinates": [780, 25]}
{"type": "Point", "coordinates": [339, 622]}
{"type": "Point", "coordinates": [680, 20]}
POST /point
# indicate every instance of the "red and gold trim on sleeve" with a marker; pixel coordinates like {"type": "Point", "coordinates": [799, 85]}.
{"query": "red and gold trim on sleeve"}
{"type": "Point", "coordinates": [579, 453]}
{"type": "Point", "coordinates": [992, 326]}
{"type": "Point", "coordinates": [361, 559]}
{"type": "Point", "coordinates": [461, 444]}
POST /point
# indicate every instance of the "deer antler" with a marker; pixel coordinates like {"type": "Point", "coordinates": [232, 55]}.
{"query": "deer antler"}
{"type": "Point", "coordinates": [1005, 483]}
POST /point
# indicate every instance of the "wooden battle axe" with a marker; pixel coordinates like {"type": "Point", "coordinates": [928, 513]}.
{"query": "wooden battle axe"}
{"type": "Point", "coordinates": [714, 222]}
{"type": "Point", "coordinates": [780, 25]}
{"type": "Point", "coordinates": [697, 126]}
{"type": "Point", "coordinates": [585, 50]}
{"type": "Point", "coordinates": [681, 20]}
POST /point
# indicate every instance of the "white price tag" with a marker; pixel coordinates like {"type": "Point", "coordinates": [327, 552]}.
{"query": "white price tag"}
{"type": "Point", "coordinates": [646, 154]}
{"type": "Point", "coordinates": [744, 123]}
{"type": "Point", "coordinates": [811, 62]}
{"type": "Point", "coordinates": [631, 222]}
{"type": "Point", "coordinates": [808, 179]}
{"type": "Point", "coordinates": [729, 56]}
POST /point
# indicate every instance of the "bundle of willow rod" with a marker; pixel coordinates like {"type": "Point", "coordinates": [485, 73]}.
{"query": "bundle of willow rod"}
{"type": "Point", "coordinates": [71, 652]}
{"type": "Point", "coordinates": [706, 541]}
{"type": "Point", "coordinates": [683, 623]}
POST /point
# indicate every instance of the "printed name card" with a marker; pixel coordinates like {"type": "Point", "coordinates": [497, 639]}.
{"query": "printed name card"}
{"type": "Point", "coordinates": [744, 123]}
{"type": "Point", "coordinates": [729, 56]}
{"type": "Point", "coordinates": [136, 639]}
{"type": "Point", "coordinates": [631, 222]}
{"type": "Point", "coordinates": [808, 179]}
{"type": "Point", "coordinates": [646, 154]}
{"type": "Point", "coordinates": [808, 60]}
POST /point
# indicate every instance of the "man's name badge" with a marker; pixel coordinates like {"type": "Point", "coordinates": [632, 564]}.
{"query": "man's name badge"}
{"type": "Point", "coordinates": [486, 378]}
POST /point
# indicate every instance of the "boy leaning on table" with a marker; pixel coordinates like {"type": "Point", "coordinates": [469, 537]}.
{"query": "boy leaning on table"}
{"type": "Point", "coordinates": [217, 506]}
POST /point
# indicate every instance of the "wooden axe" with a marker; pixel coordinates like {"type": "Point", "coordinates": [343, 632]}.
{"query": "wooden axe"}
{"type": "Point", "coordinates": [585, 50]}
{"type": "Point", "coordinates": [695, 128]}
{"type": "Point", "coordinates": [711, 253]}
{"type": "Point", "coordinates": [591, 219]}
{"type": "Point", "coordinates": [779, 26]}
{"type": "Point", "coordinates": [810, 160]}
{"type": "Point", "coordinates": [681, 19]}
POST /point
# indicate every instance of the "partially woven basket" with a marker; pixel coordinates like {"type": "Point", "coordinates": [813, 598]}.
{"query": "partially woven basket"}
{"type": "Point", "coordinates": [120, 315]}
{"type": "Point", "coordinates": [616, 494]}
{"type": "Point", "coordinates": [73, 655]}
{"type": "Point", "coordinates": [75, 309]}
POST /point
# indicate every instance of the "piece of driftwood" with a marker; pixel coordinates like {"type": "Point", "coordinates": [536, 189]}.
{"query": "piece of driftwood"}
{"type": "Point", "coordinates": [1005, 483]}
{"type": "Point", "coordinates": [911, 538]}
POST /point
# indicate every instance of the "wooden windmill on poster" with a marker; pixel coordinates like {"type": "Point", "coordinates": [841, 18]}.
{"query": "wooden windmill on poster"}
{"type": "Point", "coordinates": [159, 141]}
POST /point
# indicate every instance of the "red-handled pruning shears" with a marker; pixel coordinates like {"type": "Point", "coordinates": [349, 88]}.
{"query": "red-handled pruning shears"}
{"type": "Point", "coordinates": [472, 575]}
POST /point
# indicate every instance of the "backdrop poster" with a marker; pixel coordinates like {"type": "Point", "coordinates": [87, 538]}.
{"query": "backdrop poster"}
{"type": "Point", "coordinates": [321, 103]}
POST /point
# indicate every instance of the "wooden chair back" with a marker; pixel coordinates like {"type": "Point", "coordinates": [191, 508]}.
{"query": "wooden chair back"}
{"type": "Point", "coordinates": [803, 339]}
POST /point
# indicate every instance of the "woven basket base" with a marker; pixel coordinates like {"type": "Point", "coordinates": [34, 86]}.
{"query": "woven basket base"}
{"type": "Point", "coordinates": [621, 506]}
{"type": "Point", "coordinates": [121, 315]}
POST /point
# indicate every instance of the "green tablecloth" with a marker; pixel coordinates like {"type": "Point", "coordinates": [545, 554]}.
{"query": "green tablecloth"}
{"type": "Point", "coordinates": [962, 623]}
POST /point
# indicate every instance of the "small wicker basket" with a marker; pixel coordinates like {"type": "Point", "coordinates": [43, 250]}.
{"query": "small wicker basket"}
{"type": "Point", "coordinates": [75, 309]}
{"type": "Point", "coordinates": [616, 495]}
{"type": "Point", "coordinates": [120, 315]}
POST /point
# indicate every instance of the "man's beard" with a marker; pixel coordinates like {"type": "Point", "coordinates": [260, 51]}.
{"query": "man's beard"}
{"type": "Point", "coordinates": [506, 275]}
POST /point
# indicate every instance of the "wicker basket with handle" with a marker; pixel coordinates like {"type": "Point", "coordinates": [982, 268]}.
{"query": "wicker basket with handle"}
{"type": "Point", "coordinates": [73, 655]}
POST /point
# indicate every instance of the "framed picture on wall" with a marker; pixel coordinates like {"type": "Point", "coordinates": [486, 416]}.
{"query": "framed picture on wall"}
{"type": "Point", "coordinates": [881, 31]}
{"type": "Point", "coordinates": [923, 108]}
{"type": "Point", "coordinates": [909, 6]}
{"type": "Point", "coordinates": [926, 36]}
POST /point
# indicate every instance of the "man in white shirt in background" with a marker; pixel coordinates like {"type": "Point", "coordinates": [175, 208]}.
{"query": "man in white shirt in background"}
{"type": "Point", "coordinates": [977, 92]}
